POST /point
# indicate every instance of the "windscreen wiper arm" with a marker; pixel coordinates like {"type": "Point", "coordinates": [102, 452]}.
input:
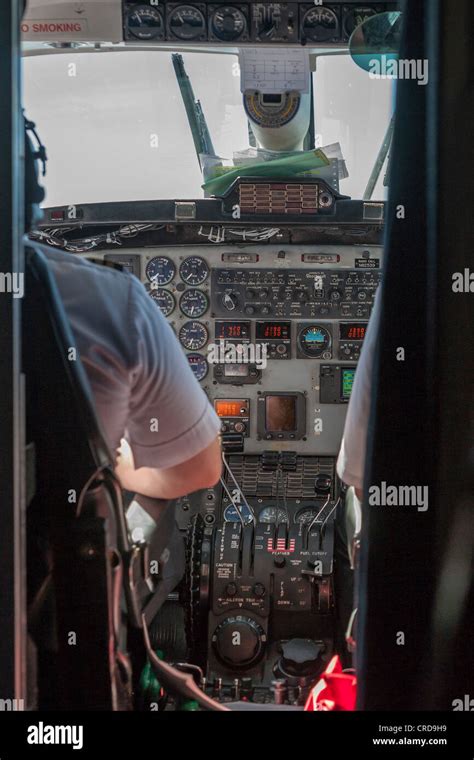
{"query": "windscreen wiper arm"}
{"type": "Point", "coordinates": [194, 111]}
{"type": "Point", "coordinates": [380, 160]}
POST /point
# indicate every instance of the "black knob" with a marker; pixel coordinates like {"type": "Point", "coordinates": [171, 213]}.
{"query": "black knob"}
{"type": "Point", "coordinates": [335, 294]}
{"type": "Point", "coordinates": [238, 641]}
{"type": "Point", "coordinates": [300, 657]}
{"type": "Point", "coordinates": [266, 309]}
{"type": "Point", "coordinates": [263, 293]}
{"type": "Point", "coordinates": [230, 301]}
{"type": "Point", "coordinates": [231, 589]}
{"type": "Point", "coordinates": [322, 484]}
{"type": "Point", "coordinates": [259, 589]}
{"type": "Point", "coordinates": [249, 293]}
{"type": "Point", "coordinates": [249, 309]}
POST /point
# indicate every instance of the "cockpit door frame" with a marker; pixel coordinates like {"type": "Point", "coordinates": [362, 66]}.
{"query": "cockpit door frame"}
{"type": "Point", "coordinates": [12, 469]}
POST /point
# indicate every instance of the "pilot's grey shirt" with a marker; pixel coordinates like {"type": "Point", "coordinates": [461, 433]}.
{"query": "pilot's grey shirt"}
{"type": "Point", "coordinates": [143, 387]}
{"type": "Point", "coordinates": [351, 460]}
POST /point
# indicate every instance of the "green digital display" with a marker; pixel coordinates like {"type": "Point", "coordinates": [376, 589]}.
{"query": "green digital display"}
{"type": "Point", "coordinates": [347, 382]}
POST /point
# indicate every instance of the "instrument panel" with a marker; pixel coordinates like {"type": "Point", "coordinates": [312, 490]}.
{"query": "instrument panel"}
{"type": "Point", "coordinates": [273, 336]}
{"type": "Point", "coordinates": [243, 23]}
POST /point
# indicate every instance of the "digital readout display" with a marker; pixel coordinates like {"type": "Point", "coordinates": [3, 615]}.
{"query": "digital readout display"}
{"type": "Point", "coordinates": [353, 330]}
{"type": "Point", "coordinates": [280, 414]}
{"type": "Point", "coordinates": [273, 330]}
{"type": "Point", "coordinates": [347, 381]}
{"type": "Point", "coordinates": [231, 407]}
{"type": "Point", "coordinates": [232, 330]}
{"type": "Point", "coordinates": [236, 370]}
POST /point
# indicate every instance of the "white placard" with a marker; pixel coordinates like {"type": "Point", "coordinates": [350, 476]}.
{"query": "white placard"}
{"type": "Point", "coordinates": [72, 21]}
{"type": "Point", "coordinates": [274, 71]}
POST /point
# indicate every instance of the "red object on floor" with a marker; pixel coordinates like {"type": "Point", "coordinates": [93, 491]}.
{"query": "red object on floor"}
{"type": "Point", "coordinates": [335, 690]}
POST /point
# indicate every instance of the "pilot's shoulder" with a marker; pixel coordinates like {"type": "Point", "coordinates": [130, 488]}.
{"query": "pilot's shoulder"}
{"type": "Point", "coordinates": [64, 263]}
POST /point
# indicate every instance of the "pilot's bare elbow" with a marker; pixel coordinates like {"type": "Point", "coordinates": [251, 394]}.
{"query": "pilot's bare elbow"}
{"type": "Point", "coordinates": [212, 474]}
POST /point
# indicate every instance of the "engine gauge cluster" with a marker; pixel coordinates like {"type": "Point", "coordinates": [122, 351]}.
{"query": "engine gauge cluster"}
{"type": "Point", "coordinates": [194, 303]}
{"type": "Point", "coordinates": [160, 270]}
{"type": "Point", "coordinates": [193, 336]}
{"type": "Point", "coordinates": [228, 23]}
{"type": "Point", "coordinates": [165, 288]}
{"type": "Point", "coordinates": [246, 22]}
{"type": "Point", "coordinates": [144, 23]}
{"type": "Point", "coordinates": [164, 300]}
{"type": "Point", "coordinates": [194, 270]}
{"type": "Point", "coordinates": [320, 24]}
{"type": "Point", "coordinates": [199, 365]}
{"type": "Point", "coordinates": [272, 514]}
{"type": "Point", "coordinates": [186, 22]}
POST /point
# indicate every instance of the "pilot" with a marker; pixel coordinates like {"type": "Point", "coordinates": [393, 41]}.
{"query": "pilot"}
{"type": "Point", "coordinates": [154, 414]}
{"type": "Point", "coordinates": [351, 460]}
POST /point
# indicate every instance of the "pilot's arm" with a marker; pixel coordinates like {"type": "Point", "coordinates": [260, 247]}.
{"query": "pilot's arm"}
{"type": "Point", "coordinates": [351, 460]}
{"type": "Point", "coordinates": [172, 431]}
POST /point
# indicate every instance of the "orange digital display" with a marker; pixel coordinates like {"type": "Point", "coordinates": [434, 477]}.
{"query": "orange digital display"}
{"type": "Point", "coordinates": [353, 331]}
{"type": "Point", "coordinates": [275, 330]}
{"type": "Point", "coordinates": [230, 408]}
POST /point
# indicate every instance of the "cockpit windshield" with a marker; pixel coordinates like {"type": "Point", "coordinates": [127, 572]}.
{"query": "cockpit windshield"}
{"type": "Point", "coordinates": [117, 129]}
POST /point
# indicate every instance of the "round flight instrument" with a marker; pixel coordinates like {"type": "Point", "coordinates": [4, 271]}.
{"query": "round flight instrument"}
{"type": "Point", "coordinates": [231, 514]}
{"type": "Point", "coordinates": [187, 23]}
{"type": "Point", "coordinates": [164, 299]}
{"type": "Point", "coordinates": [306, 516]}
{"type": "Point", "coordinates": [314, 341]}
{"type": "Point", "coordinates": [194, 303]}
{"type": "Point", "coordinates": [160, 270]}
{"type": "Point", "coordinates": [145, 22]}
{"type": "Point", "coordinates": [228, 23]}
{"type": "Point", "coordinates": [198, 365]}
{"type": "Point", "coordinates": [355, 17]}
{"type": "Point", "coordinates": [274, 515]}
{"type": "Point", "coordinates": [320, 25]}
{"type": "Point", "coordinates": [193, 335]}
{"type": "Point", "coordinates": [194, 270]}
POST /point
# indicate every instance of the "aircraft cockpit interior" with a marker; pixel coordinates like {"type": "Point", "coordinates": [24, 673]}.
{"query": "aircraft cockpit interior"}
{"type": "Point", "coordinates": [275, 184]}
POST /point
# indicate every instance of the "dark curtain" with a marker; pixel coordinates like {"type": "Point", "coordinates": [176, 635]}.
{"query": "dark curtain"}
{"type": "Point", "coordinates": [413, 651]}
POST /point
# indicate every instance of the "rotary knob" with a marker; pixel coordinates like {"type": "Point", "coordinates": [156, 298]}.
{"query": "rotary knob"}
{"type": "Point", "coordinates": [230, 300]}
{"type": "Point", "coordinates": [322, 484]}
{"type": "Point", "coordinates": [300, 658]}
{"type": "Point", "coordinates": [301, 294]}
{"type": "Point", "coordinates": [335, 294]}
{"type": "Point", "coordinates": [239, 641]}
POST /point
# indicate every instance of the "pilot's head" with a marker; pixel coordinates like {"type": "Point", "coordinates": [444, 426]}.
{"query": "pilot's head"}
{"type": "Point", "coordinates": [34, 192]}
